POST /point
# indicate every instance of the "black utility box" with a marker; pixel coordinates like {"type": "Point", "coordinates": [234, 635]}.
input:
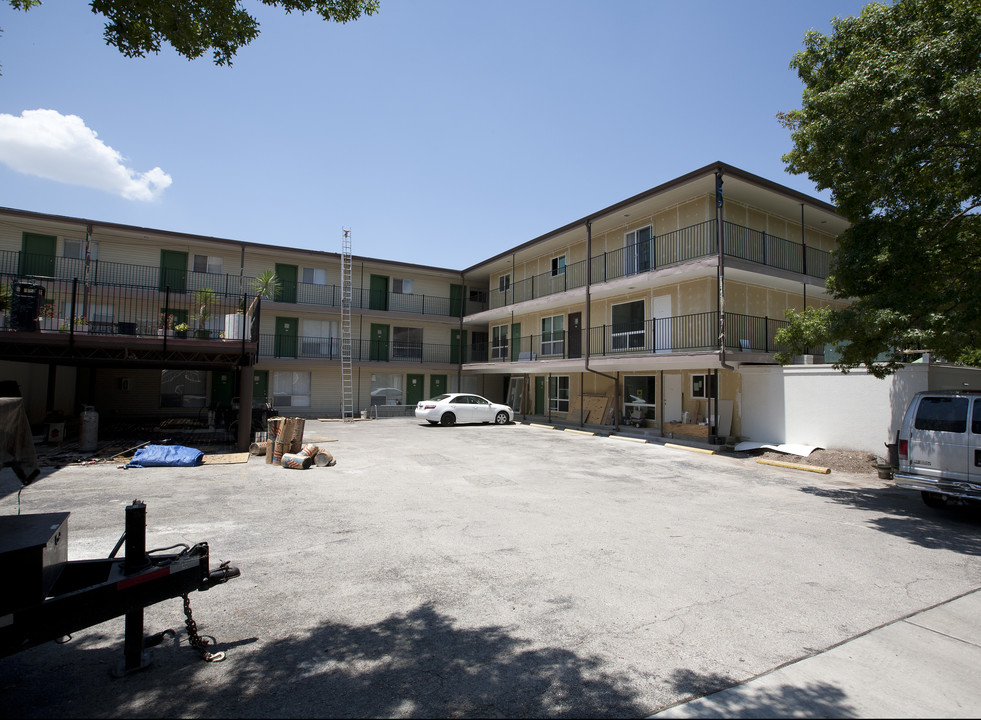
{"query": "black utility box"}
{"type": "Point", "coordinates": [25, 306]}
{"type": "Point", "coordinates": [33, 552]}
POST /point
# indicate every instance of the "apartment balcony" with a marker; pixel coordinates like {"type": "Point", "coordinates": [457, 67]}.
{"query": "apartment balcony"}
{"type": "Point", "coordinates": [674, 248]}
{"type": "Point", "coordinates": [68, 322]}
{"type": "Point", "coordinates": [45, 268]}
{"type": "Point", "coordinates": [292, 347]}
{"type": "Point", "coordinates": [682, 334]}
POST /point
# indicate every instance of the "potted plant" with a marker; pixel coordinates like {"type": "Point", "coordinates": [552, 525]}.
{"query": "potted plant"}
{"type": "Point", "coordinates": [47, 321]}
{"type": "Point", "coordinates": [81, 324]}
{"type": "Point", "coordinates": [165, 322]}
{"type": "Point", "coordinates": [203, 298]}
{"type": "Point", "coordinates": [180, 330]}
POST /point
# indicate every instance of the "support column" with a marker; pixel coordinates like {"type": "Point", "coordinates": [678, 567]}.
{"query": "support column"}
{"type": "Point", "coordinates": [246, 376]}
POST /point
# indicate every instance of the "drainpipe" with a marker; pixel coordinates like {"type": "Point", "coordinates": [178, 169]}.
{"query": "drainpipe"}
{"type": "Point", "coordinates": [460, 348]}
{"type": "Point", "coordinates": [587, 325]}
{"type": "Point", "coordinates": [720, 244]}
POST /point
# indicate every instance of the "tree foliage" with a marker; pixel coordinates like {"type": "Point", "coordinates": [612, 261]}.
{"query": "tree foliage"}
{"type": "Point", "coordinates": [194, 27]}
{"type": "Point", "coordinates": [891, 123]}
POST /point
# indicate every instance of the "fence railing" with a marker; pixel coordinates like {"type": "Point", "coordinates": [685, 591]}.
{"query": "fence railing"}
{"type": "Point", "coordinates": [289, 346]}
{"type": "Point", "coordinates": [682, 333]}
{"type": "Point", "coordinates": [53, 305]}
{"type": "Point", "coordinates": [106, 273]}
{"type": "Point", "coordinates": [673, 248]}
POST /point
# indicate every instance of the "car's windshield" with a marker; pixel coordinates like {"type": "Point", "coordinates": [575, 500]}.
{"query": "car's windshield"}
{"type": "Point", "coordinates": [441, 397]}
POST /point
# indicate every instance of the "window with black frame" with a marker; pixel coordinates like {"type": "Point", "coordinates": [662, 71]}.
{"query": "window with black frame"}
{"type": "Point", "coordinates": [639, 397]}
{"type": "Point", "coordinates": [628, 326]}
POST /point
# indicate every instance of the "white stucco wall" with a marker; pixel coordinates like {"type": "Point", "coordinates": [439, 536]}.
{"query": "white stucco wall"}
{"type": "Point", "coordinates": [818, 405]}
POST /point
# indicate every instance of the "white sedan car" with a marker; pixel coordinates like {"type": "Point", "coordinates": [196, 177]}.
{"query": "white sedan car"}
{"type": "Point", "coordinates": [452, 408]}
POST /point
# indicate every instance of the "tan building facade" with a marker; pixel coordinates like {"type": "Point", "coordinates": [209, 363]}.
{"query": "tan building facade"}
{"type": "Point", "coordinates": [642, 313]}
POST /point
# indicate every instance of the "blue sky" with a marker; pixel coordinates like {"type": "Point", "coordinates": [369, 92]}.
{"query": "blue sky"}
{"type": "Point", "coordinates": [439, 132]}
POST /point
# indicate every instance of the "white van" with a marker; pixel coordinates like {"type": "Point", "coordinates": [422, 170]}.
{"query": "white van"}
{"type": "Point", "coordinates": [939, 446]}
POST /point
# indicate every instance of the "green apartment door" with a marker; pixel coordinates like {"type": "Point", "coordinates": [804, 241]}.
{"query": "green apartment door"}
{"type": "Point", "coordinates": [415, 386]}
{"type": "Point", "coordinates": [173, 270]}
{"type": "Point", "coordinates": [437, 385]}
{"type": "Point", "coordinates": [37, 254]}
{"type": "Point", "coordinates": [456, 300]}
{"type": "Point", "coordinates": [540, 395]}
{"type": "Point", "coordinates": [222, 388]}
{"type": "Point", "coordinates": [378, 345]}
{"type": "Point", "coordinates": [458, 340]}
{"type": "Point", "coordinates": [260, 386]}
{"type": "Point", "coordinates": [287, 331]}
{"type": "Point", "coordinates": [287, 275]}
{"type": "Point", "coordinates": [378, 292]}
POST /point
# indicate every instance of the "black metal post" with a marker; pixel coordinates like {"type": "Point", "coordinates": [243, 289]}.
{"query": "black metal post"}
{"type": "Point", "coordinates": [135, 560]}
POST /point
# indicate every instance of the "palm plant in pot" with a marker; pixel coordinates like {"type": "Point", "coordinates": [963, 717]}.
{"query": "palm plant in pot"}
{"type": "Point", "coordinates": [203, 300]}
{"type": "Point", "coordinates": [264, 285]}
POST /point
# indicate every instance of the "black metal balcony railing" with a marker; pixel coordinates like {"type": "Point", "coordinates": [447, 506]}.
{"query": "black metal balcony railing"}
{"type": "Point", "coordinates": [73, 307]}
{"type": "Point", "coordinates": [287, 346]}
{"type": "Point", "coordinates": [674, 248]}
{"type": "Point", "coordinates": [683, 333]}
{"type": "Point", "coordinates": [105, 273]}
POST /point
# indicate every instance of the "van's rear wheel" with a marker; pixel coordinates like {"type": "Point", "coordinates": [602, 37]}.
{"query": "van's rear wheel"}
{"type": "Point", "coordinates": [934, 500]}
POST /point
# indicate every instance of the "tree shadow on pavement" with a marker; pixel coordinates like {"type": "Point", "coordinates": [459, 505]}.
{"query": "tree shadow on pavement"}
{"type": "Point", "coordinates": [818, 699]}
{"type": "Point", "coordinates": [904, 515]}
{"type": "Point", "coordinates": [416, 664]}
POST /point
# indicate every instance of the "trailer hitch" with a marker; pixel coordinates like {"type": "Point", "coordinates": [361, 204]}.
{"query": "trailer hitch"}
{"type": "Point", "coordinates": [223, 573]}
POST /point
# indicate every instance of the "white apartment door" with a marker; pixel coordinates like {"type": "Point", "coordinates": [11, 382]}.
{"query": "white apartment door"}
{"type": "Point", "coordinates": [671, 396]}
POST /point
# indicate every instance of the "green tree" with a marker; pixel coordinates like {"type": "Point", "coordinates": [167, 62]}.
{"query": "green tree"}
{"type": "Point", "coordinates": [891, 123]}
{"type": "Point", "coordinates": [194, 27]}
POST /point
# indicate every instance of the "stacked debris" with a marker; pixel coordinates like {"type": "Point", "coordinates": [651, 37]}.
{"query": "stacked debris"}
{"type": "Point", "coordinates": [283, 446]}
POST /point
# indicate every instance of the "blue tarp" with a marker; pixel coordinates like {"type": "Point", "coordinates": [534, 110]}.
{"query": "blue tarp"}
{"type": "Point", "coordinates": [165, 456]}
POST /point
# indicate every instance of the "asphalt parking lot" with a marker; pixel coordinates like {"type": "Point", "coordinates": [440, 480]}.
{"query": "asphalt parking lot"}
{"type": "Point", "coordinates": [489, 571]}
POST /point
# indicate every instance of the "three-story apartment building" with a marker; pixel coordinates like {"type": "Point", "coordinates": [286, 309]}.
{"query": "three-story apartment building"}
{"type": "Point", "coordinates": [654, 303]}
{"type": "Point", "coordinates": [642, 312]}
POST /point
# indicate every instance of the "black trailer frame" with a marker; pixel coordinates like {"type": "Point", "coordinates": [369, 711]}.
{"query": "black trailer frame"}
{"type": "Point", "coordinates": [82, 593]}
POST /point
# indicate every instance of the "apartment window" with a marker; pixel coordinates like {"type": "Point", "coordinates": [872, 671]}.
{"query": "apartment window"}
{"type": "Point", "coordinates": [628, 326]}
{"type": "Point", "coordinates": [499, 342]}
{"type": "Point", "coordinates": [504, 283]}
{"type": "Point", "coordinates": [553, 335]}
{"type": "Point", "coordinates": [314, 276]}
{"type": "Point", "coordinates": [75, 249]}
{"type": "Point", "coordinates": [183, 388]}
{"type": "Point", "coordinates": [402, 286]}
{"type": "Point", "coordinates": [638, 397]}
{"type": "Point", "coordinates": [558, 265]}
{"type": "Point", "coordinates": [637, 250]}
{"type": "Point", "coordinates": [207, 264]}
{"type": "Point", "coordinates": [291, 389]}
{"type": "Point", "coordinates": [703, 386]}
{"type": "Point", "coordinates": [558, 393]}
{"type": "Point", "coordinates": [407, 343]}
{"type": "Point", "coordinates": [319, 338]}
{"type": "Point", "coordinates": [386, 389]}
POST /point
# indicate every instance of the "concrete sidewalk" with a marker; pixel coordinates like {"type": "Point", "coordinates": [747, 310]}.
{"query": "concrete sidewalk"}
{"type": "Point", "coordinates": [923, 665]}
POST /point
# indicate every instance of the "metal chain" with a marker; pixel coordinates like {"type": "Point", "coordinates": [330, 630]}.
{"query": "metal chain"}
{"type": "Point", "coordinates": [197, 642]}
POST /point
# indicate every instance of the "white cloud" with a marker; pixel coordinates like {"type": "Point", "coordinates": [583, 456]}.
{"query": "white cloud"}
{"type": "Point", "coordinates": [60, 147]}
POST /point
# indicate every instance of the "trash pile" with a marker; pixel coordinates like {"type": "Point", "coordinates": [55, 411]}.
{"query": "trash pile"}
{"type": "Point", "coordinates": [284, 446]}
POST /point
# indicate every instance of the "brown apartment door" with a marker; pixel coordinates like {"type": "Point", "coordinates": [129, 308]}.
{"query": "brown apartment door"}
{"type": "Point", "coordinates": [575, 335]}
